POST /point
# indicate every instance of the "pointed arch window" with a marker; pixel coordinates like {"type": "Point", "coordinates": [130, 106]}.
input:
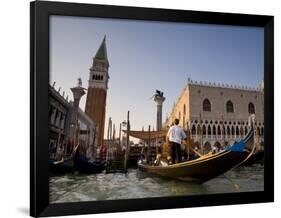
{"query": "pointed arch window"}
{"type": "Point", "coordinates": [237, 131]}
{"type": "Point", "coordinates": [199, 130]}
{"type": "Point", "coordinates": [214, 130]}
{"type": "Point", "coordinates": [232, 130]}
{"type": "Point", "coordinates": [206, 105]}
{"type": "Point", "coordinates": [209, 130]}
{"type": "Point", "coordinates": [219, 130]}
{"type": "Point", "coordinates": [246, 130]}
{"type": "Point", "coordinates": [229, 107]}
{"type": "Point", "coordinates": [193, 130]}
{"type": "Point", "coordinates": [204, 130]}
{"type": "Point", "coordinates": [228, 130]}
{"type": "Point", "coordinates": [251, 108]}
{"type": "Point", "coordinates": [241, 131]}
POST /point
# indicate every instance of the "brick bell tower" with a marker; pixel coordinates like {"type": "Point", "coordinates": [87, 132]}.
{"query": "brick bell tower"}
{"type": "Point", "coordinates": [97, 90]}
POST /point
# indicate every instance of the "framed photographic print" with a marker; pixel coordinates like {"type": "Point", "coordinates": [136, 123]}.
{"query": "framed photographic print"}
{"type": "Point", "coordinates": [142, 109]}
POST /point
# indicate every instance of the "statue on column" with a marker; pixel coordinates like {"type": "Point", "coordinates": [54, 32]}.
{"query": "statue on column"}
{"type": "Point", "coordinates": [159, 99]}
{"type": "Point", "coordinates": [79, 84]}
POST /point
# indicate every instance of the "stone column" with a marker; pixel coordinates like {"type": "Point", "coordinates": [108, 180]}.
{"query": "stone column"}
{"type": "Point", "coordinates": [159, 99]}
{"type": "Point", "coordinates": [77, 92]}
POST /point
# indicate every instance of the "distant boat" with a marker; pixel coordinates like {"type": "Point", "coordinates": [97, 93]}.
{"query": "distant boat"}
{"type": "Point", "coordinates": [61, 167]}
{"type": "Point", "coordinates": [208, 166]}
{"type": "Point", "coordinates": [76, 162]}
{"type": "Point", "coordinates": [86, 166]}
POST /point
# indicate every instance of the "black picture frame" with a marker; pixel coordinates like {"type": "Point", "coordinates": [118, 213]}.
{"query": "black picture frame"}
{"type": "Point", "coordinates": [39, 81]}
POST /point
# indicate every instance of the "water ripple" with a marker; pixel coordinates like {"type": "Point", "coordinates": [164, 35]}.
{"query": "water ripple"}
{"type": "Point", "coordinates": [135, 184]}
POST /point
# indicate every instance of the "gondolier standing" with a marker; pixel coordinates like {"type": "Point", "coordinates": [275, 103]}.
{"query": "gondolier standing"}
{"type": "Point", "coordinates": [175, 136]}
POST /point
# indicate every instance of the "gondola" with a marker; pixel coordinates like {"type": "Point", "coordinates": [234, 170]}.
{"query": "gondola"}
{"type": "Point", "coordinates": [60, 167]}
{"type": "Point", "coordinates": [76, 162]}
{"type": "Point", "coordinates": [86, 166]}
{"type": "Point", "coordinates": [208, 166]}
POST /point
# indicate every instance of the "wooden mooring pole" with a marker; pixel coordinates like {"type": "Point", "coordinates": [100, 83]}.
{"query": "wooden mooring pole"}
{"type": "Point", "coordinates": [108, 139]}
{"type": "Point", "coordinates": [127, 143]}
{"type": "Point", "coordinates": [148, 146]}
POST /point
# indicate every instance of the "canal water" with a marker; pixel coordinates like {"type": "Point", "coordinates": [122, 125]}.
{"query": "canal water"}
{"type": "Point", "coordinates": [136, 184]}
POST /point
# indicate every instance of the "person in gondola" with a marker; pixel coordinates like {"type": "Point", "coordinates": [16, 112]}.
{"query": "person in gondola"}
{"type": "Point", "coordinates": [75, 155]}
{"type": "Point", "coordinates": [143, 156]}
{"type": "Point", "coordinates": [59, 152]}
{"type": "Point", "coordinates": [175, 136]}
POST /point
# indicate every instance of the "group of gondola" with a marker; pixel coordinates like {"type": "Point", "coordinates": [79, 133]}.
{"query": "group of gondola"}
{"type": "Point", "coordinates": [201, 169]}
{"type": "Point", "coordinates": [75, 163]}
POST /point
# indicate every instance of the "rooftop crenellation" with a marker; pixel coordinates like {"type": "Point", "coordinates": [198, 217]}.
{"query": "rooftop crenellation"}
{"type": "Point", "coordinates": [222, 85]}
{"type": "Point", "coordinates": [66, 98]}
{"type": "Point", "coordinates": [217, 85]}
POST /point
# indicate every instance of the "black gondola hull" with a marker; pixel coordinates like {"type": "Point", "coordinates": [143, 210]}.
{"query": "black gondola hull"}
{"type": "Point", "coordinates": [208, 166]}
{"type": "Point", "coordinates": [84, 166]}
{"type": "Point", "coordinates": [58, 168]}
{"type": "Point", "coordinates": [199, 170]}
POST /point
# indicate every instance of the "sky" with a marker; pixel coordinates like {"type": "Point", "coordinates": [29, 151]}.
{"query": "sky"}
{"type": "Point", "coordinates": [145, 56]}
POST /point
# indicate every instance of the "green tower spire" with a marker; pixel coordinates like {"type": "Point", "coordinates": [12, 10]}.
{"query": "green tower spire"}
{"type": "Point", "coordinates": [102, 52]}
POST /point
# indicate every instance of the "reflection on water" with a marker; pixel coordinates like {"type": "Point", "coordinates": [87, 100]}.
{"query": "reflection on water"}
{"type": "Point", "coordinates": [135, 184]}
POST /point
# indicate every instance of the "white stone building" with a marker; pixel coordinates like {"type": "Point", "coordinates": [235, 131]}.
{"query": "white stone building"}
{"type": "Point", "coordinates": [217, 114]}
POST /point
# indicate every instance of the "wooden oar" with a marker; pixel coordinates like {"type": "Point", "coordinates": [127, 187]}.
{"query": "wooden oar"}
{"type": "Point", "coordinates": [196, 152]}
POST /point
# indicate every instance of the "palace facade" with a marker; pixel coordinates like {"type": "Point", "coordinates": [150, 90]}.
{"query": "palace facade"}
{"type": "Point", "coordinates": [60, 112]}
{"type": "Point", "coordinates": [217, 114]}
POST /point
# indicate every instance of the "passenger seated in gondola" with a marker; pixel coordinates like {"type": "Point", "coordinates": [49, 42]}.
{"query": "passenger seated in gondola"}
{"type": "Point", "coordinates": [142, 158]}
{"type": "Point", "coordinates": [143, 154]}
{"type": "Point", "coordinates": [160, 161]}
{"type": "Point", "coordinates": [157, 160]}
{"type": "Point", "coordinates": [215, 149]}
{"type": "Point", "coordinates": [184, 155]}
